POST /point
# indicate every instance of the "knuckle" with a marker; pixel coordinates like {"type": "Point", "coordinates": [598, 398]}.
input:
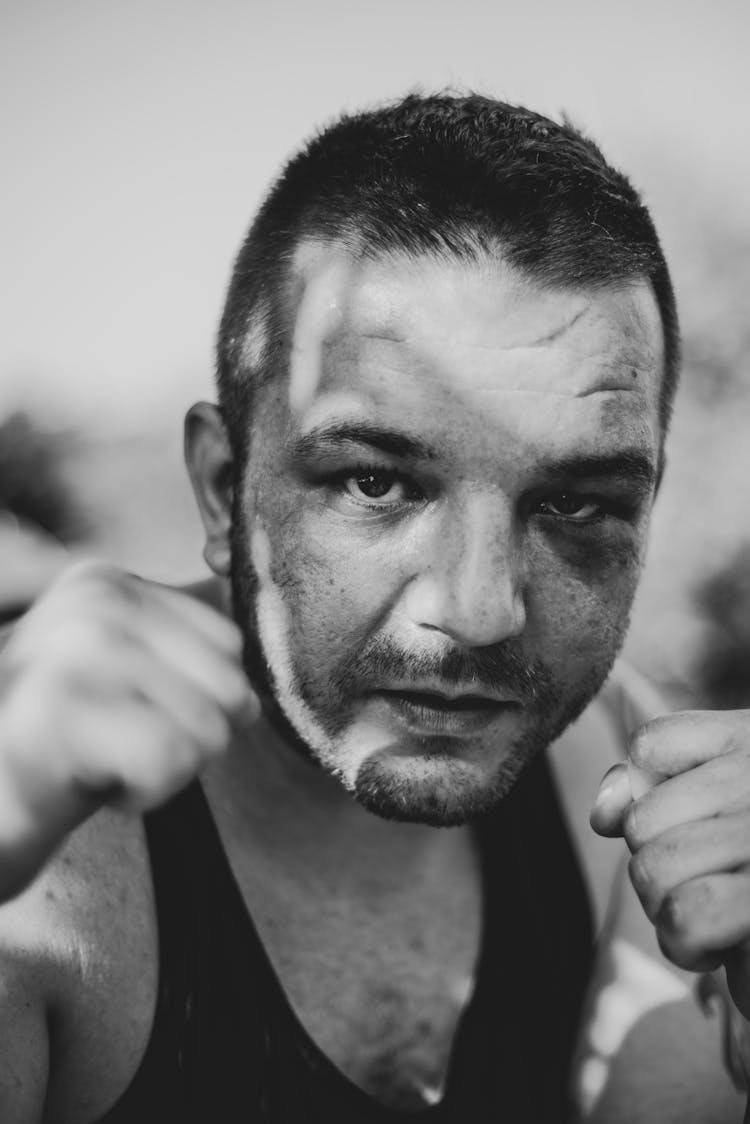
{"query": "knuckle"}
{"type": "Point", "coordinates": [682, 920]}
{"type": "Point", "coordinates": [676, 949]}
{"type": "Point", "coordinates": [237, 691]}
{"type": "Point", "coordinates": [640, 748]}
{"type": "Point", "coordinates": [673, 919]}
{"type": "Point", "coordinates": [631, 826]}
{"type": "Point", "coordinates": [93, 573]}
{"type": "Point", "coordinates": [167, 761]}
{"type": "Point", "coordinates": [644, 875]}
{"type": "Point", "coordinates": [216, 734]}
{"type": "Point", "coordinates": [231, 629]}
{"type": "Point", "coordinates": [639, 871]}
{"type": "Point", "coordinates": [232, 638]}
{"type": "Point", "coordinates": [81, 646]}
{"type": "Point", "coordinates": [111, 586]}
{"type": "Point", "coordinates": [87, 570]}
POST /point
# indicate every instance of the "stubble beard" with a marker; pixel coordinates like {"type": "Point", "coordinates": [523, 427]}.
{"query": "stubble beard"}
{"type": "Point", "coordinates": [450, 798]}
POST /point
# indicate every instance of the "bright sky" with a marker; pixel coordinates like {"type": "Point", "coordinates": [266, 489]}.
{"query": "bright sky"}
{"type": "Point", "coordinates": [139, 137]}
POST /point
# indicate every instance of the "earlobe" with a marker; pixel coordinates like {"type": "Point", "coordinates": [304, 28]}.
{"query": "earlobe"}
{"type": "Point", "coordinates": [210, 463]}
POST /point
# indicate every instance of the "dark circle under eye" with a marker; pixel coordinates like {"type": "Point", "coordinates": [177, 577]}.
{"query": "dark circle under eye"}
{"type": "Point", "coordinates": [374, 486]}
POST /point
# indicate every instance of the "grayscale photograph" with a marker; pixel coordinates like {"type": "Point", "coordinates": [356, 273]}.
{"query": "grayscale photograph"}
{"type": "Point", "coordinates": [375, 562]}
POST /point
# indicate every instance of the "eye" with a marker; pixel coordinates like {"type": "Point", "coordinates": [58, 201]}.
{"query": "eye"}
{"type": "Point", "coordinates": [372, 485]}
{"type": "Point", "coordinates": [376, 484]}
{"type": "Point", "coordinates": [575, 508]}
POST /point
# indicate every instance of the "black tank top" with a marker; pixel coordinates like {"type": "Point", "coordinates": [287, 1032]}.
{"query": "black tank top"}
{"type": "Point", "coordinates": [227, 1048]}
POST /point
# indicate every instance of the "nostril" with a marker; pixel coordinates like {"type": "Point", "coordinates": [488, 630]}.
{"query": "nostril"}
{"type": "Point", "coordinates": [470, 618]}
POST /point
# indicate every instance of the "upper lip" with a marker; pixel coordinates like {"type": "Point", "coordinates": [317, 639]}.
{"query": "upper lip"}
{"type": "Point", "coordinates": [462, 694]}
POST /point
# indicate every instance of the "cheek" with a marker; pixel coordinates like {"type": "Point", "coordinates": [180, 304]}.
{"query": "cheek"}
{"type": "Point", "coordinates": [579, 600]}
{"type": "Point", "coordinates": [336, 590]}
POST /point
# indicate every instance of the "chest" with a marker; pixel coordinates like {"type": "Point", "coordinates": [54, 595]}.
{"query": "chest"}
{"type": "Point", "coordinates": [379, 983]}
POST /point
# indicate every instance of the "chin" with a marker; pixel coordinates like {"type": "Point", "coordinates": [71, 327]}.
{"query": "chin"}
{"type": "Point", "coordinates": [437, 791]}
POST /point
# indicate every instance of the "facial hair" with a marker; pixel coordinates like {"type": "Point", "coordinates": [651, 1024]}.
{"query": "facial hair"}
{"type": "Point", "coordinates": [498, 669]}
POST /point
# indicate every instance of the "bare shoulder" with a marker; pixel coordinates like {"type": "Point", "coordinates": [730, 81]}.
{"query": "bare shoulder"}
{"type": "Point", "coordinates": [80, 938]}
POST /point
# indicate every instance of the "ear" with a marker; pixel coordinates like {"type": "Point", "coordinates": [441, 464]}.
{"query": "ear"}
{"type": "Point", "coordinates": [209, 460]}
{"type": "Point", "coordinates": [660, 469]}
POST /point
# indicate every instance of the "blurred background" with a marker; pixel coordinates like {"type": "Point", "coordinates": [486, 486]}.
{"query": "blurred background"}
{"type": "Point", "coordinates": [139, 138]}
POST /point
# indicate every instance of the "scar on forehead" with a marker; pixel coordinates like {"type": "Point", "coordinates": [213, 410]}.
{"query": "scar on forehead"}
{"type": "Point", "coordinates": [255, 343]}
{"type": "Point", "coordinates": [555, 334]}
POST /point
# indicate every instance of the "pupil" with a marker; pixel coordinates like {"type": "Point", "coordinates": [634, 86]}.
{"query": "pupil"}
{"type": "Point", "coordinates": [567, 505]}
{"type": "Point", "coordinates": [374, 486]}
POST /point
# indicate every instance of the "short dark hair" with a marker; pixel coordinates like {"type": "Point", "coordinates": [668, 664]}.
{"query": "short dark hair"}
{"type": "Point", "coordinates": [442, 175]}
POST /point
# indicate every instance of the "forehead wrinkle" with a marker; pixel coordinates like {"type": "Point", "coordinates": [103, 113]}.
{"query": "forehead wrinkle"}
{"type": "Point", "coordinates": [378, 319]}
{"type": "Point", "coordinates": [398, 360]}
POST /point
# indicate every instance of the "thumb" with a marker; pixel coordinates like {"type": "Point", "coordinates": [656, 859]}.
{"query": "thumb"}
{"type": "Point", "coordinates": [620, 787]}
{"type": "Point", "coordinates": [612, 800]}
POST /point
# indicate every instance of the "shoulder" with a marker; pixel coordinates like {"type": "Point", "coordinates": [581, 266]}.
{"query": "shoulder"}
{"type": "Point", "coordinates": [80, 938]}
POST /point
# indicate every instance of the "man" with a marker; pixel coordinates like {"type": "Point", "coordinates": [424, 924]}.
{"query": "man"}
{"type": "Point", "coordinates": [446, 366]}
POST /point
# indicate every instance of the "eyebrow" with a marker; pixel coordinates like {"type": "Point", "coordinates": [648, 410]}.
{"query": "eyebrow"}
{"type": "Point", "coordinates": [336, 435]}
{"type": "Point", "coordinates": [631, 463]}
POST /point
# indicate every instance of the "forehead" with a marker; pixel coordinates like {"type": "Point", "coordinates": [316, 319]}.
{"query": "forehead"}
{"type": "Point", "coordinates": [474, 339]}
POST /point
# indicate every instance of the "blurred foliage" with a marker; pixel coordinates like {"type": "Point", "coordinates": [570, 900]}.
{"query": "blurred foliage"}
{"type": "Point", "coordinates": [722, 669]}
{"type": "Point", "coordinates": [34, 486]}
{"type": "Point", "coordinates": [716, 332]}
{"type": "Point", "coordinates": [714, 282]}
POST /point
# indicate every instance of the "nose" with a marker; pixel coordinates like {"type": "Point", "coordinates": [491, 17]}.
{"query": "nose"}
{"type": "Point", "coordinates": [470, 584]}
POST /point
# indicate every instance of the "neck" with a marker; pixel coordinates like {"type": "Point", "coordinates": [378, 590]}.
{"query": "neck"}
{"type": "Point", "coordinates": [270, 797]}
{"type": "Point", "coordinates": [265, 792]}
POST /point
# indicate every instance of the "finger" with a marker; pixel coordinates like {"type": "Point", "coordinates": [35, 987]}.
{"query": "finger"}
{"type": "Point", "coordinates": [701, 919]}
{"type": "Point", "coordinates": [198, 695]}
{"type": "Point", "coordinates": [674, 743]}
{"type": "Point", "coordinates": [612, 801]}
{"type": "Point", "coordinates": [214, 626]}
{"type": "Point", "coordinates": [217, 674]}
{"type": "Point", "coordinates": [717, 787]}
{"type": "Point", "coordinates": [100, 588]}
{"type": "Point", "coordinates": [96, 741]}
{"type": "Point", "coordinates": [688, 851]}
{"type": "Point", "coordinates": [148, 758]}
{"type": "Point", "coordinates": [623, 784]}
{"type": "Point", "coordinates": [201, 642]}
{"type": "Point", "coordinates": [87, 648]}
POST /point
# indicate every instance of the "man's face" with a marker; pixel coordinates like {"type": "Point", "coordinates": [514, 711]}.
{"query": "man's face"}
{"type": "Point", "coordinates": [443, 518]}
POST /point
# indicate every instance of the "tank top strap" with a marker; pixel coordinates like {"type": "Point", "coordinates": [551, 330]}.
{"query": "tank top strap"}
{"type": "Point", "coordinates": [225, 1045]}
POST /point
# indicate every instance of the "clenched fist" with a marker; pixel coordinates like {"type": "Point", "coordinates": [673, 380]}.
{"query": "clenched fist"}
{"type": "Point", "coordinates": [682, 803]}
{"type": "Point", "coordinates": [112, 689]}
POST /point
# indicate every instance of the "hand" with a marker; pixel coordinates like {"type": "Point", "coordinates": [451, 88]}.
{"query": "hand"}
{"type": "Point", "coordinates": [112, 689]}
{"type": "Point", "coordinates": [682, 803]}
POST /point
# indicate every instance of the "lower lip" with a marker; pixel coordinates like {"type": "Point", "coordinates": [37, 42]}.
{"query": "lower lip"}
{"type": "Point", "coordinates": [423, 718]}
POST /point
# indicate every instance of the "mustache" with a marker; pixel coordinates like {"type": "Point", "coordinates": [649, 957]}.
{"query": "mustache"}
{"type": "Point", "coordinates": [492, 669]}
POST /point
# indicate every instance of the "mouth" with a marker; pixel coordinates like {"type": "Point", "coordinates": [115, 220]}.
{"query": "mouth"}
{"type": "Point", "coordinates": [431, 712]}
